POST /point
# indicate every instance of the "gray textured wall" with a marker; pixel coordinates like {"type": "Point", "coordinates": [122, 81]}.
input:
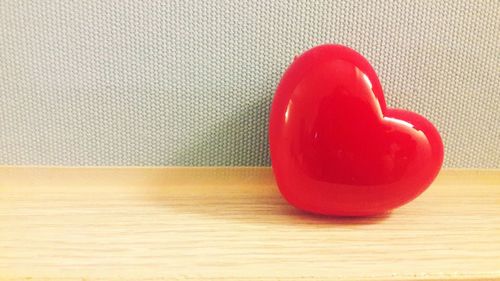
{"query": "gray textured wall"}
{"type": "Point", "coordinates": [190, 82]}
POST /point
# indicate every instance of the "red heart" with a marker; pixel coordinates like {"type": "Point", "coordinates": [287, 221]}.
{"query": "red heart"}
{"type": "Point", "coordinates": [335, 147]}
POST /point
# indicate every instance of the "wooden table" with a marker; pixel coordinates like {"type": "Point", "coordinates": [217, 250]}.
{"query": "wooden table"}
{"type": "Point", "coordinates": [231, 223]}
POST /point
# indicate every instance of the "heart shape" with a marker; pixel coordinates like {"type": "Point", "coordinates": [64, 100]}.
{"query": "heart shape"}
{"type": "Point", "coordinates": [336, 149]}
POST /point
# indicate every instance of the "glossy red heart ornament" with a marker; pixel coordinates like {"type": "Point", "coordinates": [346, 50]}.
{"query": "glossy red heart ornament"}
{"type": "Point", "coordinates": [335, 147]}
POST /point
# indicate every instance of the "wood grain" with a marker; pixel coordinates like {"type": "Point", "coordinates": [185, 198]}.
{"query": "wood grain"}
{"type": "Point", "coordinates": [231, 223]}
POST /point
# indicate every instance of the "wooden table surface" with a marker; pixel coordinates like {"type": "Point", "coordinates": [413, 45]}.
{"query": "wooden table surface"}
{"type": "Point", "coordinates": [231, 223]}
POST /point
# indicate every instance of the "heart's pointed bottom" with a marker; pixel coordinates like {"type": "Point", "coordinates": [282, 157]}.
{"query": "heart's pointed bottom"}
{"type": "Point", "coordinates": [369, 217]}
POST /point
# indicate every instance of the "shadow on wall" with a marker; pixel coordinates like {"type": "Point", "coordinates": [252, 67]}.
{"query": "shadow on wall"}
{"type": "Point", "coordinates": [238, 138]}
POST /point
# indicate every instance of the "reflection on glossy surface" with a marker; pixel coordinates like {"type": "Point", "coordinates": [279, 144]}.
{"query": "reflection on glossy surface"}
{"type": "Point", "coordinates": [335, 147]}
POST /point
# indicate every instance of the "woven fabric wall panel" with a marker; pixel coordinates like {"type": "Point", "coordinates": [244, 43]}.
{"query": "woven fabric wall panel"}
{"type": "Point", "coordinates": [190, 82]}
